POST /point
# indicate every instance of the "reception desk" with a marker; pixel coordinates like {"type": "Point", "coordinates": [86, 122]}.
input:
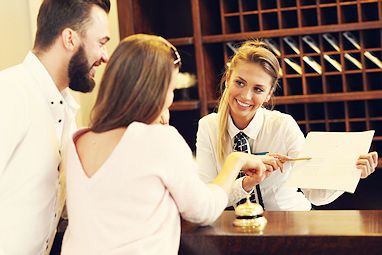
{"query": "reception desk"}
{"type": "Point", "coordinates": [313, 232]}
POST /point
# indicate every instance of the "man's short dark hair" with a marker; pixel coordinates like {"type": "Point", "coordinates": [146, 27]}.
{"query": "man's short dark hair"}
{"type": "Point", "coordinates": [56, 15]}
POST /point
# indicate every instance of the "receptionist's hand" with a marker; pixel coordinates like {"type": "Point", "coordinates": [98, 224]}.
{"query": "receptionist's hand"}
{"type": "Point", "coordinates": [271, 164]}
{"type": "Point", "coordinates": [367, 163]}
{"type": "Point", "coordinates": [280, 160]}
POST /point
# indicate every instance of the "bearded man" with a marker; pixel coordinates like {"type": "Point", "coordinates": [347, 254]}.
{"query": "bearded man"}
{"type": "Point", "coordinates": [37, 116]}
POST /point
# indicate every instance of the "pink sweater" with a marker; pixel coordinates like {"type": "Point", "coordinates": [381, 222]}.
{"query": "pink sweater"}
{"type": "Point", "coordinates": [133, 203]}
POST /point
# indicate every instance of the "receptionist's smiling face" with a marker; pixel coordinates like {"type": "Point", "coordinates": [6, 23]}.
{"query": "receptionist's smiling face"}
{"type": "Point", "coordinates": [249, 87]}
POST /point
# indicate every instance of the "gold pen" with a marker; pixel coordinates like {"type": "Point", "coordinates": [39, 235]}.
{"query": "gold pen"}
{"type": "Point", "coordinates": [302, 158]}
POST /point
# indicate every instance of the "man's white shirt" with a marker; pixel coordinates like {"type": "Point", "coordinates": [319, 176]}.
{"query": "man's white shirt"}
{"type": "Point", "coordinates": [35, 121]}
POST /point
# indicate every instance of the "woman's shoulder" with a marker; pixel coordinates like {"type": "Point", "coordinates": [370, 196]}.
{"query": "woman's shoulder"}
{"type": "Point", "coordinates": [209, 119]}
{"type": "Point", "coordinates": [154, 133]}
{"type": "Point", "coordinates": [79, 133]}
{"type": "Point", "coordinates": [157, 138]}
{"type": "Point", "coordinates": [276, 116]}
{"type": "Point", "coordinates": [151, 129]}
{"type": "Point", "coordinates": [279, 122]}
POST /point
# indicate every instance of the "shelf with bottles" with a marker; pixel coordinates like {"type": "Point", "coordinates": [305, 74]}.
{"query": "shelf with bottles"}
{"type": "Point", "coordinates": [240, 16]}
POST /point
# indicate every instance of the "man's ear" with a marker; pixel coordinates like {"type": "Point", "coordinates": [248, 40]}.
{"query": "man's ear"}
{"type": "Point", "coordinates": [70, 39]}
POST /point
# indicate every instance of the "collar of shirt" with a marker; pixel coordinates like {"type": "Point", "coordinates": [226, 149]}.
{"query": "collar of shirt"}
{"type": "Point", "coordinates": [253, 128]}
{"type": "Point", "coordinates": [43, 81]}
{"type": "Point", "coordinates": [60, 103]}
{"type": "Point", "coordinates": [46, 85]}
{"type": "Point", "coordinates": [70, 101]}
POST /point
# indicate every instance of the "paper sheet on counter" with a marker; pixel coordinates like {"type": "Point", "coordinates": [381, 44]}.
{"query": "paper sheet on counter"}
{"type": "Point", "coordinates": [333, 164]}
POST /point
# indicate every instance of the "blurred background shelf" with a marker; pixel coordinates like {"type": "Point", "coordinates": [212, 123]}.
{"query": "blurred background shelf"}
{"type": "Point", "coordinates": [184, 105]}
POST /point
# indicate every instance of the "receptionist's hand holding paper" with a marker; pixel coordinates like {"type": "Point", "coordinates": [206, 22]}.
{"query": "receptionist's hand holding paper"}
{"type": "Point", "coordinates": [333, 164]}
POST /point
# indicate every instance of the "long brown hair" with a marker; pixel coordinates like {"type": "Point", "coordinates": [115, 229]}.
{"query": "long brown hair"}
{"type": "Point", "coordinates": [135, 82]}
{"type": "Point", "coordinates": [251, 51]}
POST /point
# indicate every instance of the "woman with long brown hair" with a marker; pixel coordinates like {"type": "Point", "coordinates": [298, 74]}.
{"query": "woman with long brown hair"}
{"type": "Point", "coordinates": [129, 178]}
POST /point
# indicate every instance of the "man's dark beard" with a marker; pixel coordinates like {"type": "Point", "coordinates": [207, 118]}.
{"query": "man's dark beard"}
{"type": "Point", "coordinates": [79, 79]}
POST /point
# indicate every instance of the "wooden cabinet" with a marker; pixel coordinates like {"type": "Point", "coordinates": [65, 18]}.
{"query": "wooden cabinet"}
{"type": "Point", "coordinates": [346, 98]}
{"type": "Point", "coordinates": [343, 94]}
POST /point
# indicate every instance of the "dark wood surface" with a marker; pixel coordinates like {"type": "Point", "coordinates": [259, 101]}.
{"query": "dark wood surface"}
{"type": "Point", "coordinates": [313, 232]}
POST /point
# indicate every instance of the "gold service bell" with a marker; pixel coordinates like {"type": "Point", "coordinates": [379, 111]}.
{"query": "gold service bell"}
{"type": "Point", "coordinates": [250, 216]}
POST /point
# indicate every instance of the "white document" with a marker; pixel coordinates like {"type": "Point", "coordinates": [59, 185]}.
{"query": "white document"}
{"type": "Point", "coordinates": [333, 164]}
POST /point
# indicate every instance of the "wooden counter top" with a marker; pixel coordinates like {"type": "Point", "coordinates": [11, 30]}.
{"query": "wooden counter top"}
{"type": "Point", "coordinates": [313, 232]}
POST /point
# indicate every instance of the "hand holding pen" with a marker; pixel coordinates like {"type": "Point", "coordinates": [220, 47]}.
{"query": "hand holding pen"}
{"type": "Point", "coordinates": [271, 164]}
{"type": "Point", "coordinates": [281, 159]}
{"type": "Point", "coordinates": [272, 161]}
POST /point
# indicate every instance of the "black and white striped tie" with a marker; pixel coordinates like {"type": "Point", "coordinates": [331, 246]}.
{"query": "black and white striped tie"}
{"type": "Point", "coordinates": [241, 143]}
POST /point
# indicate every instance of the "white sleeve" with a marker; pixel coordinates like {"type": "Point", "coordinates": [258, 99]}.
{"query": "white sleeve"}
{"type": "Point", "coordinates": [207, 161]}
{"type": "Point", "coordinates": [205, 156]}
{"type": "Point", "coordinates": [14, 123]}
{"type": "Point", "coordinates": [237, 192]}
{"type": "Point", "coordinates": [295, 140]}
{"type": "Point", "coordinates": [321, 196]}
{"type": "Point", "coordinates": [196, 201]}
